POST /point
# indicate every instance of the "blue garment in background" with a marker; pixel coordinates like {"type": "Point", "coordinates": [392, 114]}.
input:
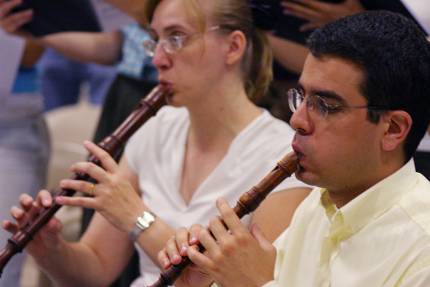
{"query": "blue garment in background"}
{"type": "Point", "coordinates": [26, 82]}
{"type": "Point", "coordinates": [134, 62]}
{"type": "Point", "coordinates": [61, 80]}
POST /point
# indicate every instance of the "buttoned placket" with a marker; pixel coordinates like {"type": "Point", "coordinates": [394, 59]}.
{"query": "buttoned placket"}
{"type": "Point", "coordinates": [338, 231]}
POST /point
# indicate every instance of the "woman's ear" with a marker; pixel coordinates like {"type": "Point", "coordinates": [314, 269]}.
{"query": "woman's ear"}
{"type": "Point", "coordinates": [398, 125]}
{"type": "Point", "coordinates": [236, 47]}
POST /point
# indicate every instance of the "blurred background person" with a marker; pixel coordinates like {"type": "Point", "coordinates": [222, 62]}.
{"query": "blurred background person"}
{"type": "Point", "coordinates": [123, 77]}
{"type": "Point", "coordinates": [289, 25]}
{"type": "Point", "coordinates": [62, 80]}
{"type": "Point", "coordinates": [24, 141]}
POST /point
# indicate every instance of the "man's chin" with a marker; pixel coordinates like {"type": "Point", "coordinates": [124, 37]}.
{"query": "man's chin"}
{"type": "Point", "coordinates": [306, 176]}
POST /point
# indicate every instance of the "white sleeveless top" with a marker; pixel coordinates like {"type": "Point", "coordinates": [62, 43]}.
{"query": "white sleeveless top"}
{"type": "Point", "coordinates": [156, 153]}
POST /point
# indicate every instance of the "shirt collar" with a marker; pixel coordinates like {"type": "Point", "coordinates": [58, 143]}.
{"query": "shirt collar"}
{"type": "Point", "coordinates": [373, 202]}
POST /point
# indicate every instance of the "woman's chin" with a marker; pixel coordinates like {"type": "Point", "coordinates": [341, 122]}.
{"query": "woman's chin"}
{"type": "Point", "coordinates": [174, 102]}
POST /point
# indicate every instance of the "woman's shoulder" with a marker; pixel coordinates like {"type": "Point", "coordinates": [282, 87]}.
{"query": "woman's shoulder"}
{"type": "Point", "coordinates": [165, 122]}
{"type": "Point", "coordinates": [266, 139]}
{"type": "Point", "coordinates": [161, 132]}
{"type": "Point", "coordinates": [268, 127]}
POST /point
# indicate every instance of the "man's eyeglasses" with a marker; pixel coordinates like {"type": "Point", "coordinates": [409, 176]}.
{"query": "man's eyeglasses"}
{"type": "Point", "coordinates": [321, 105]}
{"type": "Point", "coordinates": [172, 44]}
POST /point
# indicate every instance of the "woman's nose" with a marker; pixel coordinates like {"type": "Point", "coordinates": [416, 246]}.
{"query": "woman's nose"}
{"type": "Point", "coordinates": [161, 59]}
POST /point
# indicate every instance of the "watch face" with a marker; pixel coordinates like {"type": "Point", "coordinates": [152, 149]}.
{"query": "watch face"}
{"type": "Point", "coordinates": [144, 221]}
{"type": "Point", "coordinates": [141, 223]}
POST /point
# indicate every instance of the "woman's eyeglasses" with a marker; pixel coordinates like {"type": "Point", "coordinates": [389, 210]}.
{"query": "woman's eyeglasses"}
{"type": "Point", "coordinates": [172, 44]}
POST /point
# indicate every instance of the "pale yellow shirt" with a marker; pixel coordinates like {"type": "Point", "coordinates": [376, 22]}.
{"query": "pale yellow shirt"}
{"type": "Point", "coordinates": [381, 238]}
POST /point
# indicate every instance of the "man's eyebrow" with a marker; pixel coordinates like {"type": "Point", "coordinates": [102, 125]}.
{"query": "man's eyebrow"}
{"type": "Point", "coordinates": [329, 95]}
{"type": "Point", "coordinates": [326, 94]}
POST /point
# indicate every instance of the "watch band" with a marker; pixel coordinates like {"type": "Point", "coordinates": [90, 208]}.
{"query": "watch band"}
{"type": "Point", "coordinates": [143, 222]}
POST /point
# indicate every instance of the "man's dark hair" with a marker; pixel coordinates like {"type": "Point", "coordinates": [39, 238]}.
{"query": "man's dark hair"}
{"type": "Point", "coordinates": [395, 57]}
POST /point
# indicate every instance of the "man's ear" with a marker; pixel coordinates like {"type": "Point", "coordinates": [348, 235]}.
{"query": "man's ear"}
{"type": "Point", "coordinates": [236, 47]}
{"type": "Point", "coordinates": [398, 125]}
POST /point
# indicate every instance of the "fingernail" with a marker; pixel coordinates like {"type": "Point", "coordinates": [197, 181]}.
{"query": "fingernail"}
{"type": "Point", "coordinates": [59, 199]}
{"type": "Point", "coordinates": [193, 240]}
{"type": "Point", "coordinates": [177, 258]}
{"type": "Point", "coordinates": [19, 213]}
{"type": "Point", "coordinates": [183, 250]}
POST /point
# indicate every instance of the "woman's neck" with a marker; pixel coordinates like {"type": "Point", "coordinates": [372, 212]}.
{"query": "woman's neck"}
{"type": "Point", "coordinates": [221, 118]}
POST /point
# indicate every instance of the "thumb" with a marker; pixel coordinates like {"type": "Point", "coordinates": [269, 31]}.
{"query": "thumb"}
{"type": "Point", "coordinates": [52, 232]}
{"type": "Point", "coordinates": [261, 239]}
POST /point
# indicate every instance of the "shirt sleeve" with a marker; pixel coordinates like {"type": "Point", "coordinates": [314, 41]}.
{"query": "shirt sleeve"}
{"type": "Point", "coordinates": [10, 61]}
{"type": "Point", "coordinates": [133, 58]}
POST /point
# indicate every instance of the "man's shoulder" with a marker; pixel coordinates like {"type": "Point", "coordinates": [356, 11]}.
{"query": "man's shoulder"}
{"type": "Point", "coordinates": [310, 207]}
{"type": "Point", "coordinates": [416, 204]}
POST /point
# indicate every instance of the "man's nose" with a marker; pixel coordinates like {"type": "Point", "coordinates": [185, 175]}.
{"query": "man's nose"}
{"type": "Point", "coordinates": [300, 120]}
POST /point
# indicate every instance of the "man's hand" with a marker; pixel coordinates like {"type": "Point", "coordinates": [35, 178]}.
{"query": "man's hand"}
{"type": "Point", "coordinates": [234, 256]}
{"type": "Point", "coordinates": [176, 248]}
{"type": "Point", "coordinates": [319, 13]}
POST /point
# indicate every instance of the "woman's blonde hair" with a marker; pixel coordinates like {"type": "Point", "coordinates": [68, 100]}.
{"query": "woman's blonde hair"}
{"type": "Point", "coordinates": [235, 15]}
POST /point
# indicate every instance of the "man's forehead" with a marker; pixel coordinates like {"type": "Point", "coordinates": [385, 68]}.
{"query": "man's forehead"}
{"type": "Point", "coordinates": [330, 73]}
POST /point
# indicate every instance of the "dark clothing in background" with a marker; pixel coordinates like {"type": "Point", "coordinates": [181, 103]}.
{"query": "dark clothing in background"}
{"type": "Point", "coordinates": [422, 163]}
{"type": "Point", "coordinates": [287, 27]}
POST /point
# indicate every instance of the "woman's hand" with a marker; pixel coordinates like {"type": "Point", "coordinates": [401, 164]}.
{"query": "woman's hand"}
{"type": "Point", "coordinates": [234, 255]}
{"type": "Point", "coordinates": [318, 13]}
{"type": "Point", "coordinates": [48, 238]}
{"type": "Point", "coordinates": [12, 22]}
{"type": "Point", "coordinates": [176, 248]}
{"type": "Point", "coordinates": [113, 196]}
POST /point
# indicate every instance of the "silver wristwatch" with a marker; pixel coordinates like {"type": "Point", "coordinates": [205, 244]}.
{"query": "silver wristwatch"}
{"type": "Point", "coordinates": [143, 222]}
